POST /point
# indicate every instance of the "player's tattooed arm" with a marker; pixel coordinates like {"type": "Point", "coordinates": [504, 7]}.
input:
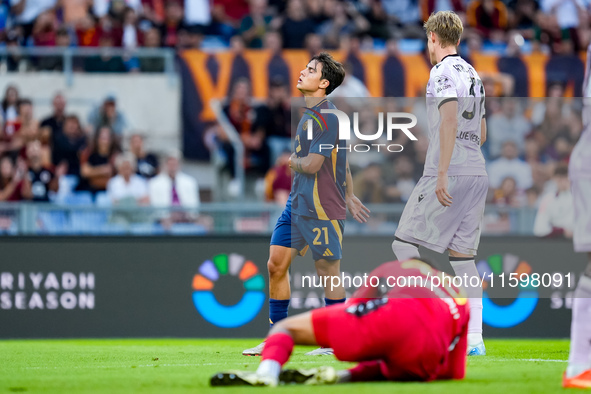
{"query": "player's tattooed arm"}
{"type": "Point", "coordinates": [310, 164]}
{"type": "Point", "coordinates": [359, 211]}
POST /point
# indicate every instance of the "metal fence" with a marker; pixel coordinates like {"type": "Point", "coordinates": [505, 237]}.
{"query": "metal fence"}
{"type": "Point", "coordinates": [211, 219]}
{"type": "Point", "coordinates": [25, 57]}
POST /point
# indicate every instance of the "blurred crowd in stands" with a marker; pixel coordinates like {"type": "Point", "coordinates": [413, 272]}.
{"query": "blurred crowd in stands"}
{"type": "Point", "coordinates": [67, 160]}
{"type": "Point", "coordinates": [63, 157]}
{"type": "Point", "coordinates": [558, 26]}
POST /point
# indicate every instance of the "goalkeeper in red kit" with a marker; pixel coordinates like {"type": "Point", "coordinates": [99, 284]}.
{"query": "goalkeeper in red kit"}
{"type": "Point", "coordinates": [407, 328]}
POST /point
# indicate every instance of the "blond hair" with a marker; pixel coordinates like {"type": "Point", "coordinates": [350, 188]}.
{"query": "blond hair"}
{"type": "Point", "coordinates": [447, 25]}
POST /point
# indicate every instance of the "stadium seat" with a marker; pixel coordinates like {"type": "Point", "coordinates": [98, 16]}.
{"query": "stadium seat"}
{"type": "Point", "coordinates": [146, 229]}
{"type": "Point", "coordinates": [78, 198]}
{"type": "Point", "coordinates": [187, 229]}
{"type": "Point", "coordinates": [102, 200]}
{"type": "Point", "coordinates": [52, 222]}
{"type": "Point", "coordinates": [87, 222]}
{"type": "Point", "coordinates": [67, 183]}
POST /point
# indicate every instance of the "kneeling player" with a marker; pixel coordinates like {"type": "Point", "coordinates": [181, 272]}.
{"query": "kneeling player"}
{"type": "Point", "coordinates": [413, 332]}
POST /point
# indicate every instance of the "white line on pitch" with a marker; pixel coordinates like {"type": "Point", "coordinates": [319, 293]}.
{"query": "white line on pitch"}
{"type": "Point", "coordinates": [543, 360]}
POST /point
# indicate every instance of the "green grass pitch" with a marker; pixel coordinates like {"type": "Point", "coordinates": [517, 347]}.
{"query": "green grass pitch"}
{"type": "Point", "coordinates": [185, 365]}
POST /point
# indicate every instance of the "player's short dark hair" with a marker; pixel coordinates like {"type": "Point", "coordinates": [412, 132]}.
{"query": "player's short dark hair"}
{"type": "Point", "coordinates": [332, 71]}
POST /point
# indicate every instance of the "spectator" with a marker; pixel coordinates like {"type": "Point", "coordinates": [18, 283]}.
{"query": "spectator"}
{"type": "Point", "coordinates": [14, 60]}
{"type": "Point", "coordinates": [405, 182]}
{"type": "Point", "coordinates": [146, 163]}
{"type": "Point", "coordinates": [508, 125]}
{"type": "Point", "coordinates": [45, 29]}
{"type": "Point", "coordinates": [489, 17]}
{"type": "Point", "coordinates": [87, 32]}
{"type": "Point", "coordinates": [560, 148]}
{"type": "Point", "coordinates": [229, 12]}
{"type": "Point", "coordinates": [507, 194]}
{"type": "Point", "coordinates": [40, 180]}
{"type": "Point", "coordinates": [254, 25]}
{"type": "Point", "coordinates": [567, 16]}
{"type": "Point", "coordinates": [101, 8]}
{"type": "Point", "coordinates": [153, 11]}
{"type": "Point", "coordinates": [97, 162]}
{"type": "Point", "coordinates": [108, 115]}
{"type": "Point", "coordinates": [105, 62]}
{"type": "Point", "coordinates": [405, 17]}
{"type": "Point", "coordinates": [127, 188]}
{"type": "Point", "coordinates": [430, 6]}
{"type": "Point", "coordinates": [10, 107]}
{"type": "Point", "coordinates": [55, 63]}
{"type": "Point", "coordinates": [27, 129]}
{"type": "Point", "coordinates": [538, 161]}
{"type": "Point", "coordinates": [523, 16]}
{"type": "Point", "coordinates": [240, 113]}
{"type": "Point", "coordinates": [509, 165]}
{"type": "Point", "coordinates": [512, 63]}
{"type": "Point", "coordinates": [173, 22]}
{"type": "Point", "coordinates": [52, 126]}
{"type": "Point", "coordinates": [26, 11]}
{"type": "Point", "coordinates": [369, 184]}
{"type": "Point", "coordinates": [556, 215]}
{"type": "Point", "coordinates": [532, 197]}
{"type": "Point", "coordinates": [131, 34]}
{"type": "Point", "coordinates": [277, 67]}
{"type": "Point", "coordinates": [198, 13]}
{"type": "Point", "coordinates": [68, 146]}
{"type": "Point", "coordinates": [296, 25]}
{"type": "Point", "coordinates": [344, 19]}
{"type": "Point", "coordinates": [273, 119]}
{"type": "Point", "coordinates": [278, 181]}
{"type": "Point", "coordinates": [554, 94]}
{"type": "Point", "coordinates": [173, 188]}
{"type": "Point", "coordinates": [11, 179]}
{"type": "Point", "coordinates": [24, 128]}
{"type": "Point", "coordinates": [377, 18]}
{"type": "Point", "coordinates": [152, 64]}
{"type": "Point", "coordinates": [314, 44]}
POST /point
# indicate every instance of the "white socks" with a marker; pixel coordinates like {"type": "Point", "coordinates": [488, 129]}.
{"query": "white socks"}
{"type": "Point", "coordinates": [404, 250]}
{"type": "Point", "coordinates": [270, 368]}
{"type": "Point", "coordinates": [466, 266]}
{"type": "Point", "coordinates": [580, 332]}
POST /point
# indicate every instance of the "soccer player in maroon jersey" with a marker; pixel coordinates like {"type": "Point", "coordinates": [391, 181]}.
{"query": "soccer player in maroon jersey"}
{"type": "Point", "coordinates": [409, 327]}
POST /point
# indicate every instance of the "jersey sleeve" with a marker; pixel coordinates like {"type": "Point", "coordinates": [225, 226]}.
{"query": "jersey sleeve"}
{"type": "Point", "coordinates": [444, 88]}
{"type": "Point", "coordinates": [325, 136]}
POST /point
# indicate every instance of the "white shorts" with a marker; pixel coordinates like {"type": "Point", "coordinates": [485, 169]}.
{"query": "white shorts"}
{"type": "Point", "coordinates": [428, 223]}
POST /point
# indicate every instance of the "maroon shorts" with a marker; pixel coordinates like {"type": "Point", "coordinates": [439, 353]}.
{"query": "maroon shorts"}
{"type": "Point", "coordinates": [411, 335]}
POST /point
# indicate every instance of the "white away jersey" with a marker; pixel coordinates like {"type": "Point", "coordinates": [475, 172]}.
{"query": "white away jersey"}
{"type": "Point", "coordinates": [580, 159]}
{"type": "Point", "coordinates": [454, 79]}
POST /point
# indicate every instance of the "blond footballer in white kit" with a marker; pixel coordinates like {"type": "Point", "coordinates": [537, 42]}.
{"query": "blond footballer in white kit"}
{"type": "Point", "coordinates": [446, 207]}
{"type": "Point", "coordinates": [578, 372]}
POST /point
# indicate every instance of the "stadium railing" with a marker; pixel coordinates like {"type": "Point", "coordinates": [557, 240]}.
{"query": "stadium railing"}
{"type": "Point", "coordinates": [33, 219]}
{"type": "Point", "coordinates": [68, 54]}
